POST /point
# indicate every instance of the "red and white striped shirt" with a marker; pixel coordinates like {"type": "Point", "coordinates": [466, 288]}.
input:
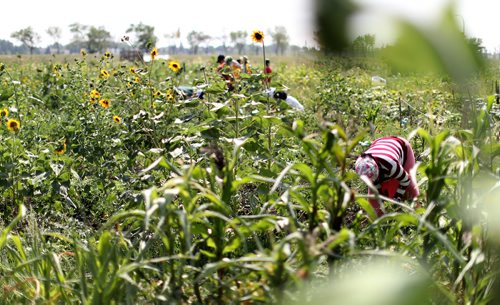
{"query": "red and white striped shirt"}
{"type": "Point", "coordinates": [390, 155]}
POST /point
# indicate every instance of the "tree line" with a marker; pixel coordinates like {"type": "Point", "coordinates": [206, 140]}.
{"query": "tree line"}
{"type": "Point", "coordinates": [97, 39]}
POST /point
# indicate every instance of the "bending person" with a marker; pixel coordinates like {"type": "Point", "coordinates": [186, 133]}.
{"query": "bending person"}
{"type": "Point", "coordinates": [387, 163]}
{"type": "Point", "coordinates": [282, 95]}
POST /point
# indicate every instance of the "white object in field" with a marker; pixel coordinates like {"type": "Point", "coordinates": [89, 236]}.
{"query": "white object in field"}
{"type": "Point", "coordinates": [270, 91]}
{"type": "Point", "coordinates": [378, 80]}
{"type": "Point", "coordinates": [290, 100]}
{"type": "Point", "coordinates": [294, 103]}
{"type": "Point", "coordinates": [147, 57]}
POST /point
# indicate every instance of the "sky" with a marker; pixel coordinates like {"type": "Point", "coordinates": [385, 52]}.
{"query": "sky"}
{"type": "Point", "coordinates": [477, 18]}
{"type": "Point", "coordinates": [215, 17]}
{"type": "Point", "coordinates": [218, 18]}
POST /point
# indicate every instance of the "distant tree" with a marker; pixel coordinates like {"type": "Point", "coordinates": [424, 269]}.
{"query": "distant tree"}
{"type": "Point", "coordinates": [195, 38]}
{"type": "Point", "coordinates": [79, 36]}
{"type": "Point", "coordinates": [7, 47]}
{"type": "Point", "coordinates": [224, 39]}
{"type": "Point", "coordinates": [280, 38]}
{"type": "Point", "coordinates": [94, 39]}
{"type": "Point", "coordinates": [173, 39]}
{"type": "Point", "coordinates": [56, 33]}
{"type": "Point", "coordinates": [98, 39]}
{"type": "Point", "coordinates": [363, 44]}
{"type": "Point", "coordinates": [27, 37]}
{"type": "Point", "coordinates": [239, 38]}
{"type": "Point", "coordinates": [370, 42]}
{"type": "Point", "coordinates": [79, 31]}
{"type": "Point", "coordinates": [476, 44]}
{"type": "Point", "coordinates": [146, 39]}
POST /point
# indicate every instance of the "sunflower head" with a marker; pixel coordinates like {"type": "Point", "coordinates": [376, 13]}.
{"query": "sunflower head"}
{"type": "Point", "coordinates": [154, 53]}
{"type": "Point", "coordinates": [83, 52]}
{"type": "Point", "coordinates": [4, 112]}
{"type": "Point", "coordinates": [104, 74]}
{"type": "Point", "coordinates": [117, 119]}
{"type": "Point", "coordinates": [13, 125]}
{"type": "Point", "coordinates": [132, 70]}
{"type": "Point", "coordinates": [61, 149]}
{"type": "Point", "coordinates": [104, 103]}
{"type": "Point", "coordinates": [94, 94]}
{"type": "Point", "coordinates": [257, 36]}
{"type": "Point", "coordinates": [174, 66]}
{"type": "Point", "coordinates": [108, 55]}
{"type": "Point", "coordinates": [170, 95]}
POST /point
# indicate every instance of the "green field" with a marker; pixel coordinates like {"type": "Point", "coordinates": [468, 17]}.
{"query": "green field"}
{"type": "Point", "coordinates": [117, 190]}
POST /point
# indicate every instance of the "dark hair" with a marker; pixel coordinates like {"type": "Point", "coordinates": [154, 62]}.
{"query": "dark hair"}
{"type": "Point", "coordinates": [280, 95]}
{"type": "Point", "coordinates": [220, 57]}
{"type": "Point", "coordinates": [268, 61]}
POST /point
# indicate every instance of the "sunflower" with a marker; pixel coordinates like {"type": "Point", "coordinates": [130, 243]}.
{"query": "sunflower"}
{"type": "Point", "coordinates": [4, 112]}
{"type": "Point", "coordinates": [257, 36]}
{"type": "Point", "coordinates": [13, 125]}
{"type": "Point", "coordinates": [154, 53]}
{"type": "Point", "coordinates": [132, 70]}
{"type": "Point", "coordinates": [157, 93]}
{"type": "Point", "coordinates": [94, 94]}
{"type": "Point", "coordinates": [174, 66]}
{"type": "Point", "coordinates": [83, 52]}
{"type": "Point", "coordinates": [108, 55]}
{"type": "Point", "coordinates": [117, 119]}
{"type": "Point", "coordinates": [104, 103]}
{"type": "Point", "coordinates": [170, 95]}
{"type": "Point", "coordinates": [104, 74]}
{"type": "Point", "coordinates": [56, 69]}
{"type": "Point", "coordinates": [60, 150]}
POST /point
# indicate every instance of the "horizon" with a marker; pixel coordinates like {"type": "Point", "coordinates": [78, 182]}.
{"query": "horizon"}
{"type": "Point", "coordinates": [219, 18]}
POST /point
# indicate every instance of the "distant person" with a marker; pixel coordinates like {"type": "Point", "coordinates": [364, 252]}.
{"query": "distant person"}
{"type": "Point", "coordinates": [225, 69]}
{"type": "Point", "coordinates": [387, 163]}
{"type": "Point", "coordinates": [188, 92]}
{"type": "Point", "coordinates": [220, 60]}
{"type": "Point", "coordinates": [235, 66]}
{"type": "Point", "coordinates": [282, 95]}
{"type": "Point", "coordinates": [267, 70]}
{"type": "Point", "coordinates": [245, 65]}
{"type": "Point", "coordinates": [220, 63]}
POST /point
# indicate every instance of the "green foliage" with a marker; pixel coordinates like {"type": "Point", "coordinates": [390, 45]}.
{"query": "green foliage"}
{"type": "Point", "coordinates": [236, 197]}
{"type": "Point", "coordinates": [430, 50]}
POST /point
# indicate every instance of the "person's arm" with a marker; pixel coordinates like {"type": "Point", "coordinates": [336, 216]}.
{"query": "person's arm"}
{"type": "Point", "coordinates": [394, 170]}
{"type": "Point", "coordinates": [404, 181]}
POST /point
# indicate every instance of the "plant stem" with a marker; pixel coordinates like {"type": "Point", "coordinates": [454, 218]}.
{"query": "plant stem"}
{"type": "Point", "coordinates": [236, 110]}
{"type": "Point", "coordinates": [268, 112]}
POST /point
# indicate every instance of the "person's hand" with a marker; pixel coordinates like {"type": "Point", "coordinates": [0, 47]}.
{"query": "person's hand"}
{"type": "Point", "coordinates": [398, 197]}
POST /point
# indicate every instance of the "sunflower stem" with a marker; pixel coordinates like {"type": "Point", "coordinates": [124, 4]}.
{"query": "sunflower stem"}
{"type": "Point", "coordinates": [268, 112]}
{"type": "Point", "coordinates": [236, 110]}
{"type": "Point", "coordinates": [266, 85]}
{"type": "Point", "coordinates": [151, 93]}
{"type": "Point", "coordinates": [207, 95]}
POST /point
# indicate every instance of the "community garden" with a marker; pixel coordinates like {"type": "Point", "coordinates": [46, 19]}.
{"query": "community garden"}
{"type": "Point", "coordinates": [118, 189]}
